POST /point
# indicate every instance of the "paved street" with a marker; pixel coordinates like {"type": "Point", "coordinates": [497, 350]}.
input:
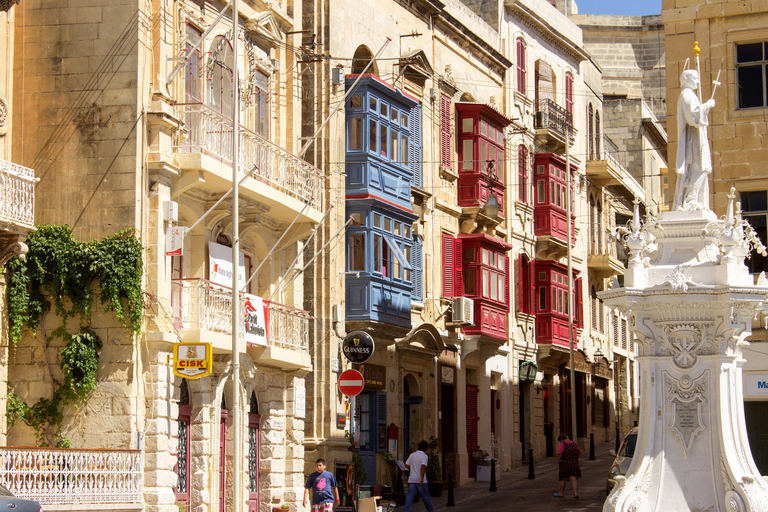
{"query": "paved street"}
{"type": "Point", "coordinates": [515, 491]}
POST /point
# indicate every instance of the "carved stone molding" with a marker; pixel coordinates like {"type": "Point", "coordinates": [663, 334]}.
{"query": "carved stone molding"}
{"type": "Point", "coordinates": [687, 396]}
{"type": "Point", "coordinates": [685, 342]}
{"type": "Point", "coordinates": [12, 249]}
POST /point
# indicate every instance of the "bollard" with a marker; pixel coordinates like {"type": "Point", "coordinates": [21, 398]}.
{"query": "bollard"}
{"type": "Point", "coordinates": [450, 503]}
{"type": "Point", "coordinates": [531, 476]}
{"type": "Point", "coordinates": [617, 439]}
{"type": "Point", "coordinates": [591, 446]}
{"type": "Point", "coordinates": [493, 476]}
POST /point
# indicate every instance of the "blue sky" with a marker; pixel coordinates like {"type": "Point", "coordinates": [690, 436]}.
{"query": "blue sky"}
{"type": "Point", "coordinates": [629, 7]}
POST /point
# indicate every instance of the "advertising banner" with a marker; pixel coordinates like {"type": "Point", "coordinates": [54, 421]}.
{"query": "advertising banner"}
{"type": "Point", "coordinates": [220, 265]}
{"type": "Point", "coordinates": [256, 313]}
{"type": "Point", "coordinates": [174, 241]}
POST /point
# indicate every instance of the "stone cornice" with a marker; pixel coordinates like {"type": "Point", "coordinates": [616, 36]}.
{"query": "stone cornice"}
{"type": "Point", "coordinates": [478, 45]}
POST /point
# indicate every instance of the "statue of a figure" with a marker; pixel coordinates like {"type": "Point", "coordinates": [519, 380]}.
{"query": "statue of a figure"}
{"type": "Point", "coordinates": [694, 163]}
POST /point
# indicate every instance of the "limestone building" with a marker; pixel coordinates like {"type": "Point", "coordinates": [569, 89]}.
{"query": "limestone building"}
{"type": "Point", "coordinates": [732, 42]}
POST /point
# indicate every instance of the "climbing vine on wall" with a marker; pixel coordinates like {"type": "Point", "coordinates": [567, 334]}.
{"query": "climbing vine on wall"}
{"type": "Point", "coordinates": [60, 271]}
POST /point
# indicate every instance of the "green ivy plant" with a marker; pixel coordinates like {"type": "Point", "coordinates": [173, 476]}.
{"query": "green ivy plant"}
{"type": "Point", "coordinates": [60, 271]}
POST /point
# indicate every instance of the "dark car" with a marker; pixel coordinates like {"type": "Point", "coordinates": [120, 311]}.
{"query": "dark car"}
{"type": "Point", "coordinates": [10, 502]}
{"type": "Point", "coordinates": [623, 459]}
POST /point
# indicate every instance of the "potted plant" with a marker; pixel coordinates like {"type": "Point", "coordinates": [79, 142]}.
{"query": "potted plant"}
{"type": "Point", "coordinates": [434, 471]}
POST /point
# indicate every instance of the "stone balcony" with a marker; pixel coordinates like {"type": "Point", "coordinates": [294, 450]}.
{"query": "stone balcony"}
{"type": "Point", "coordinates": [282, 181]}
{"type": "Point", "coordinates": [202, 312]}
{"type": "Point", "coordinates": [74, 479]}
{"type": "Point", "coordinates": [17, 208]}
{"type": "Point", "coordinates": [551, 122]}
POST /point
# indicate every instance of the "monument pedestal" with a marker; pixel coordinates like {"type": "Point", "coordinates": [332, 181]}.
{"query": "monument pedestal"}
{"type": "Point", "coordinates": [690, 300]}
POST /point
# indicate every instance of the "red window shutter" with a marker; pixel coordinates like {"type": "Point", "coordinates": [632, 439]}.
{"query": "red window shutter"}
{"type": "Point", "coordinates": [445, 131]}
{"type": "Point", "coordinates": [459, 283]}
{"type": "Point", "coordinates": [506, 281]}
{"type": "Point", "coordinates": [532, 302]}
{"type": "Point", "coordinates": [449, 267]}
{"type": "Point", "coordinates": [521, 288]}
{"type": "Point", "coordinates": [579, 305]}
{"type": "Point", "coordinates": [472, 418]}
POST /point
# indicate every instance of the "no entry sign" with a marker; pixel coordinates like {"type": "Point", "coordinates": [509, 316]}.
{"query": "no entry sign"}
{"type": "Point", "coordinates": [351, 382]}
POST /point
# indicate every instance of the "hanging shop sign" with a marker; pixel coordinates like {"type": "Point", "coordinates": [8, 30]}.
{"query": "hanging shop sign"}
{"type": "Point", "coordinates": [174, 241]}
{"type": "Point", "coordinates": [192, 360]}
{"type": "Point", "coordinates": [256, 311]}
{"type": "Point", "coordinates": [358, 347]}
{"type": "Point", "coordinates": [375, 375]}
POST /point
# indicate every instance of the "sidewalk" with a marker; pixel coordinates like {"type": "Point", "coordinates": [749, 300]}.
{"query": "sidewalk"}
{"type": "Point", "coordinates": [516, 475]}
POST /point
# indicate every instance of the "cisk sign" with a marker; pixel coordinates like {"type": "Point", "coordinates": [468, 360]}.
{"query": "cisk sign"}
{"type": "Point", "coordinates": [192, 360]}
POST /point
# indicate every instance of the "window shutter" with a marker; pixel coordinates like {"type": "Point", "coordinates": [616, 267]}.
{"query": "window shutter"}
{"type": "Point", "coordinates": [381, 421]}
{"type": "Point", "coordinates": [520, 288]}
{"type": "Point", "coordinates": [445, 131]}
{"type": "Point", "coordinates": [472, 418]}
{"type": "Point", "coordinates": [506, 281]}
{"type": "Point", "coordinates": [579, 305]}
{"type": "Point", "coordinates": [418, 273]}
{"type": "Point", "coordinates": [449, 269]}
{"type": "Point", "coordinates": [414, 151]}
{"type": "Point", "coordinates": [531, 303]}
{"type": "Point", "coordinates": [458, 286]}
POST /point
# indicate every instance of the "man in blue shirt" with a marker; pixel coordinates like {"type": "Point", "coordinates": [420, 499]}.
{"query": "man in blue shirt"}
{"type": "Point", "coordinates": [324, 489]}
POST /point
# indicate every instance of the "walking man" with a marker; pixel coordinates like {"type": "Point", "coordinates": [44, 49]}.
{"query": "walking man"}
{"type": "Point", "coordinates": [417, 478]}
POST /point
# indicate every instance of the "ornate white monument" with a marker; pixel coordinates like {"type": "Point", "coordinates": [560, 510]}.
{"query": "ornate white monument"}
{"type": "Point", "coordinates": [691, 302]}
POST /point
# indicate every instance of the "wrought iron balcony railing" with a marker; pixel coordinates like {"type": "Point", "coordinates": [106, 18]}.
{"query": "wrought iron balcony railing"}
{"type": "Point", "coordinates": [17, 193]}
{"type": "Point", "coordinates": [211, 133]}
{"type": "Point", "coordinates": [551, 116]}
{"type": "Point", "coordinates": [67, 476]}
{"type": "Point", "coordinates": [201, 304]}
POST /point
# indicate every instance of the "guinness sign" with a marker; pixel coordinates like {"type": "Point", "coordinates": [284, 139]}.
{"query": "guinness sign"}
{"type": "Point", "coordinates": [357, 347]}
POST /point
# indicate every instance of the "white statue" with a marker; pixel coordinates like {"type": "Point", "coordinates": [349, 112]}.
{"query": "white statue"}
{"type": "Point", "coordinates": [694, 163]}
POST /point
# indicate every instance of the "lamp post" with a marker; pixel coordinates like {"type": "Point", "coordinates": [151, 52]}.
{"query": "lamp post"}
{"type": "Point", "coordinates": [492, 206]}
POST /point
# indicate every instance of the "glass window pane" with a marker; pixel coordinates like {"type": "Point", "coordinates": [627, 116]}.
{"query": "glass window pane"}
{"type": "Point", "coordinates": [540, 191]}
{"type": "Point", "coordinates": [377, 220]}
{"type": "Point", "coordinates": [373, 104]}
{"type": "Point", "coordinates": [494, 290]}
{"type": "Point", "coordinates": [355, 134]}
{"type": "Point", "coordinates": [486, 287]}
{"type": "Point", "coordinates": [394, 139]}
{"type": "Point", "coordinates": [356, 101]}
{"type": "Point", "coordinates": [539, 169]}
{"type": "Point", "coordinates": [749, 52]}
{"type": "Point", "coordinates": [467, 157]}
{"type": "Point", "coordinates": [469, 282]}
{"type": "Point", "coordinates": [468, 254]}
{"type": "Point", "coordinates": [377, 253]}
{"type": "Point", "coordinates": [500, 280]}
{"type": "Point", "coordinates": [387, 224]}
{"type": "Point", "coordinates": [407, 231]}
{"type": "Point", "coordinates": [466, 125]}
{"type": "Point", "coordinates": [372, 136]}
{"type": "Point", "coordinates": [384, 109]}
{"type": "Point", "coordinates": [397, 228]}
{"type": "Point", "coordinates": [404, 120]}
{"type": "Point", "coordinates": [750, 86]}
{"type": "Point", "coordinates": [358, 219]}
{"type": "Point", "coordinates": [754, 201]}
{"type": "Point", "coordinates": [404, 149]}
{"type": "Point", "coordinates": [357, 251]}
{"type": "Point", "coordinates": [393, 115]}
{"type": "Point", "coordinates": [383, 146]}
{"type": "Point", "coordinates": [395, 268]}
{"type": "Point", "coordinates": [542, 298]}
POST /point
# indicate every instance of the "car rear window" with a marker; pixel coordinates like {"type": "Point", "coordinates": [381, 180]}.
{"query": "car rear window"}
{"type": "Point", "coordinates": [628, 449]}
{"type": "Point", "coordinates": [4, 491]}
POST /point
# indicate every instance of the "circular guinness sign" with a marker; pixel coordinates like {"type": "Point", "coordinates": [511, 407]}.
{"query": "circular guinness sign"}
{"type": "Point", "coordinates": [358, 347]}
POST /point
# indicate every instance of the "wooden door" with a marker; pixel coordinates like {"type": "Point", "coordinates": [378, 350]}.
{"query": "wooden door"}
{"type": "Point", "coordinates": [472, 420]}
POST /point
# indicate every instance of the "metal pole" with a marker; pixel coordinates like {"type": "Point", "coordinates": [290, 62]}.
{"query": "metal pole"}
{"type": "Point", "coordinates": [531, 474]}
{"type": "Point", "coordinates": [236, 320]}
{"type": "Point", "coordinates": [451, 501]}
{"type": "Point", "coordinates": [591, 446]}
{"type": "Point", "coordinates": [570, 277]}
{"type": "Point", "coordinates": [493, 476]}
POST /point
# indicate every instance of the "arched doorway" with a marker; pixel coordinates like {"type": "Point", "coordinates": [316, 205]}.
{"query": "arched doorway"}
{"type": "Point", "coordinates": [253, 454]}
{"type": "Point", "coordinates": [411, 396]}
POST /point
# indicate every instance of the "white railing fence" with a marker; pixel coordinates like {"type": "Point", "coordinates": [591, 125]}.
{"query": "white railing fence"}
{"type": "Point", "coordinates": [72, 476]}
{"type": "Point", "coordinates": [201, 304]}
{"type": "Point", "coordinates": [17, 192]}
{"type": "Point", "coordinates": [211, 132]}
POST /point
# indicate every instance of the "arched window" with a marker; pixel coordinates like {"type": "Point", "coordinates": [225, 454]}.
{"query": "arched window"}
{"type": "Point", "coordinates": [521, 66]}
{"type": "Point", "coordinates": [182, 489]}
{"type": "Point", "coordinates": [569, 93]}
{"type": "Point", "coordinates": [590, 131]}
{"type": "Point", "coordinates": [253, 451]}
{"type": "Point", "coordinates": [597, 135]}
{"type": "Point", "coordinates": [220, 80]}
{"type": "Point", "coordinates": [522, 173]}
{"type": "Point", "coordinates": [363, 55]}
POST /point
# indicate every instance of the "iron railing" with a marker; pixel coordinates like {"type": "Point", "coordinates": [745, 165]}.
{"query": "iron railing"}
{"type": "Point", "coordinates": [202, 304]}
{"type": "Point", "coordinates": [17, 193]}
{"type": "Point", "coordinates": [60, 476]}
{"type": "Point", "coordinates": [551, 116]}
{"type": "Point", "coordinates": [211, 132]}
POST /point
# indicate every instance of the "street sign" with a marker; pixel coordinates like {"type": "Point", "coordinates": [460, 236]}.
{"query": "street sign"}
{"type": "Point", "coordinates": [358, 347]}
{"type": "Point", "coordinates": [351, 382]}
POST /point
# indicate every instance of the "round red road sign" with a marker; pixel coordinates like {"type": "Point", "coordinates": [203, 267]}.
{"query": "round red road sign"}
{"type": "Point", "coordinates": [351, 382]}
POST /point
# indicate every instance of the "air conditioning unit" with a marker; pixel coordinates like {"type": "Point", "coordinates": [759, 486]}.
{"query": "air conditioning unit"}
{"type": "Point", "coordinates": [463, 310]}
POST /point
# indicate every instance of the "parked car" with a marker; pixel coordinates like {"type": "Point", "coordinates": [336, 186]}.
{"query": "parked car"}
{"type": "Point", "coordinates": [10, 502]}
{"type": "Point", "coordinates": [623, 459]}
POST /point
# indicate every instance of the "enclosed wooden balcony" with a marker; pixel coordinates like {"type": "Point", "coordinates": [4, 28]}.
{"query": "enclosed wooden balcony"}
{"type": "Point", "coordinates": [202, 312]}
{"type": "Point", "coordinates": [282, 181]}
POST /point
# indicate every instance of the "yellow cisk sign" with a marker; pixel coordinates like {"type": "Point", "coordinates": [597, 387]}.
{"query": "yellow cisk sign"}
{"type": "Point", "coordinates": [192, 360]}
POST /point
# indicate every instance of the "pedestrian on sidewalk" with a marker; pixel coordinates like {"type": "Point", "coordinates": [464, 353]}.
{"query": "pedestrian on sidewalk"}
{"type": "Point", "coordinates": [417, 478]}
{"type": "Point", "coordinates": [324, 488]}
{"type": "Point", "coordinates": [568, 454]}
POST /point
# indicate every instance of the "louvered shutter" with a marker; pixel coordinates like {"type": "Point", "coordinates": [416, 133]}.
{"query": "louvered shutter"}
{"type": "Point", "coordinates": [520, 289]}
{"type": "Point", "coordinates": [532, 303]}
{"type": "Point", "coordinates": [445, 131]}
{"type": "Point", "coordinates": [449, 268]}
{"type": "Point", "coordinates": [381, 421]}
{"type": "Point", "coordinates": [458, 286]}
{"type": "Point", "coordinates": [579, 304]}
{"type": "Point", "coordinates": [472, 418]}
{"type": "Point", "coordinates": [506, 281]}
{"type": "Point", "coordinates": [417, 255]}
{"type": "Point", "coordinates": [414, 151]}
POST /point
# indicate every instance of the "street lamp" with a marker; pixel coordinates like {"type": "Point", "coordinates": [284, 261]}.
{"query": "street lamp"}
{"type": "Point", "coordinates": [492, 206]}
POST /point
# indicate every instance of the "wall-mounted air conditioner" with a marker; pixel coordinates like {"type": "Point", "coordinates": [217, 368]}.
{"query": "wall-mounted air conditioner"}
{"type": "Point", "coordinates": [463, 311]}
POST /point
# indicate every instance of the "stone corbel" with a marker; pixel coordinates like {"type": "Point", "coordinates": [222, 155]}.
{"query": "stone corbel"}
{"type": "Point", "coordinates": [12, 249]}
